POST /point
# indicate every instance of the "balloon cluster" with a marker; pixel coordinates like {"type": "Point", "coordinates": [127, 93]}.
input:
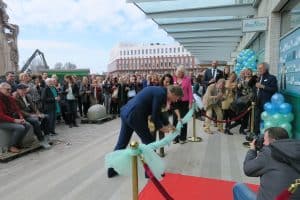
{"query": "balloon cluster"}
{"type": "Point", "coordinates": [246, 59]}
{"type": "Point", "coordinates": [277, 114]}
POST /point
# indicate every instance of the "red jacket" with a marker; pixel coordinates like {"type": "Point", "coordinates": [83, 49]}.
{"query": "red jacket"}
{"type": "Point", "coordinates": [5, 110]}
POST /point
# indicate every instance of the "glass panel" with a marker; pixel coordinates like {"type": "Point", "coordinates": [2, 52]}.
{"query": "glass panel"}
{"type": "Point", "coordinates": [290, 17]}
{"type": "Point", "coordinates": [180, 4]}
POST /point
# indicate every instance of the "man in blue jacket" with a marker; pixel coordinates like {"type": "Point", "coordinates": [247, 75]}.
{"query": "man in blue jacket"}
{"type": "Point", "coordinates": [265, 88]}
{"type": "Point", "coordinates": [134, 115]}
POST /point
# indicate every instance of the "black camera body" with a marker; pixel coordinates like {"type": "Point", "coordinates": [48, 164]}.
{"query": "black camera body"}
{"type": "Point", "coordinates": [259, 140]}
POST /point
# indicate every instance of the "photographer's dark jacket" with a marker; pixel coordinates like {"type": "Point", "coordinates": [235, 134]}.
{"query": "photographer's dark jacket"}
{"type": "Point", "coordinates": [275, 176]}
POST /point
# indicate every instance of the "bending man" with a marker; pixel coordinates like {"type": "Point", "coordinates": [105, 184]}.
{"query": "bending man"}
{"type": "Point", "coordinates": [134, 115]}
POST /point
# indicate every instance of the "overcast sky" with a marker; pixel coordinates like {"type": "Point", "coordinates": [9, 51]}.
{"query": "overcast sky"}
{"type": "Point", "coordinates": [81, 31]}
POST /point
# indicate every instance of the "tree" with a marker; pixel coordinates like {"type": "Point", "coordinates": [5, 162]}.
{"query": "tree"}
{"type": "Point", "coordinates": [58, 65]}
{"type": "Point", "coordinates": [69, 66]}
{"type": "Point", "coordinates": [37, 65]}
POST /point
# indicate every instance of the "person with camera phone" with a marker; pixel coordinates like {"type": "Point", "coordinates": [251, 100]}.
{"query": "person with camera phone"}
{"type": "Point", "coordinates": [275, 175]}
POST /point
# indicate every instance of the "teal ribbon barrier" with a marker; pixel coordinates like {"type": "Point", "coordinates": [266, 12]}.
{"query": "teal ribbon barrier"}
{"type": "Point", "coordinates": [120, 160]}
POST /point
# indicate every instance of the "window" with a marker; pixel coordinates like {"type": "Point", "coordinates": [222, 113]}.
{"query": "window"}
{"type": "Point", "coordinates": [146, 51]}
{"type": "Point", "coordinates": [174, 50]}
{"type": "Point", "coordinates": [120, 53]}
{"type": "Point", "coordinates": [162, 50]}
{"type": "Point", "coordinates": [166, 50]}
{"type": "Point", "coordinates": [142, 51]}
{"type": "Point", "coordinates": [154, 51]}
{"type": "Point", "coordinates": [170, 50]}
{"type": "Point", "coordinates": [290, 16]}
{"type": "Point", "coordinates": [131, 52]}
{"type": "Point", "coordinates": [157, 51]}
{"type": "Point", "coordinates": [150, 51]}
{"type": "Point", "coordinates": [139, 52]}
{"type": "Point", "coordinates": [134, 52]}
{"type": "Point", "coordinates": [178, 49]}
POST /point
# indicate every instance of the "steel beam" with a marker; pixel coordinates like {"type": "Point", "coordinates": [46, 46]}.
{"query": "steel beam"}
{"type": "Point", "coordinates": [226, 10]}
{"type": "Point", "coordinates": [213, 33]}
{"type": "Point", "coordinates": [203, 25]}
{"type": "Point", "coordinates": [221, 40]}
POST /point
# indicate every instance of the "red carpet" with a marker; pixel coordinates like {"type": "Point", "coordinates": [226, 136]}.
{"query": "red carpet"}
{"type": "Point", "coordinates": [182, 187]}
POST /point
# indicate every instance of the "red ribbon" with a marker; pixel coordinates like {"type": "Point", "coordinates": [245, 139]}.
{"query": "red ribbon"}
{"type": "Point", "coordinates": [157, 184]}
{"type": "Point", "coordinates": [284, 195]}
{"type": "Point", "coordinates": [230, 120]}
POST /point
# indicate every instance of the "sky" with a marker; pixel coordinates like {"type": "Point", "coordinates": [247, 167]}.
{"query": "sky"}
{"type": "Point", "coordinates": [81, 31]}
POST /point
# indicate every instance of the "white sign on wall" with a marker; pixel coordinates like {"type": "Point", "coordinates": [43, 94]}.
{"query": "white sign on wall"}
{"type": "Point", "coordinates": [256, 24]}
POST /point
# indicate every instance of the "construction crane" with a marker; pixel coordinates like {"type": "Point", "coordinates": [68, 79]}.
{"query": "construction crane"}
{"type": "Point", "coordinates": [35, 53]}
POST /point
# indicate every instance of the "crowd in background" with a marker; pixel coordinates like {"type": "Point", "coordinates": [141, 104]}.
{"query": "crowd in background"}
{"type": "Point", "coordinates": [224, 94]}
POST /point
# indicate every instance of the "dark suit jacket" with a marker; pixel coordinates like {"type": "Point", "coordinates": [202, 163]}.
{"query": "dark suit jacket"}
{"type": "Point", "coordinates": [208, 76]}
{"type": "Point", "coordinates": [264, 95]}
{"type": "Point", "coordinates": [149, 101]}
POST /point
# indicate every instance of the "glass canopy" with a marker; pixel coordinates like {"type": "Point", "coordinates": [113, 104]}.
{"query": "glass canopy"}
{"type": "Point", "coordinates": [201, 26]}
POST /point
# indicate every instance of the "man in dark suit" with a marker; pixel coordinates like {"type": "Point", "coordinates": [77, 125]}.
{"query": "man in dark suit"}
{"type": "Point", "coordinates": [265, 88]}
{"type": "Point", "coordinates": [135, 114]}
{"type": "Point", "coordinates": [212, 75]}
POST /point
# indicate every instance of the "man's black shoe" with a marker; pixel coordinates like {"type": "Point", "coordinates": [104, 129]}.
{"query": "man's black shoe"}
{"type": "Point", "coordinates": [111, 173]}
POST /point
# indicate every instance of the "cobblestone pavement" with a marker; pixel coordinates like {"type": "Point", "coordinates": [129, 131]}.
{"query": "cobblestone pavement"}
{"type": "Point", "coordinates": [74, 168]}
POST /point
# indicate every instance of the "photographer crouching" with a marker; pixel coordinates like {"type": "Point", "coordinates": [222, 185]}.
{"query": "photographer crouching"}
{"type": "Point", "coordinates": [275, 175]}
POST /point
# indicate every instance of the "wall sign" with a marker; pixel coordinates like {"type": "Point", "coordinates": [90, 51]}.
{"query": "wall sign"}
{"type": "Point", "coordinates": [256, 24]}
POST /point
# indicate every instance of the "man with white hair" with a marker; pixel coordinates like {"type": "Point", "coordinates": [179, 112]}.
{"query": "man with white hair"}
{"type": "Point", "coordinates": [265, 88]}
{"type": "Point", "coordinates": [11, 118]}
{"type": "Point", "coordinates": [50, 100]}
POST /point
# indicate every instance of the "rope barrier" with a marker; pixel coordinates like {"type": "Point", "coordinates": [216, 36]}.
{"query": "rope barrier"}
{"type": "Point", "coordinates": [229, 120]}
{"type": "Point", "coordinates": [154, 180]}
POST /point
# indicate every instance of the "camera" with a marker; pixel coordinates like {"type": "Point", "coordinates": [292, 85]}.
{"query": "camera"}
{"type": "Point", "coordinates": [259, 140]}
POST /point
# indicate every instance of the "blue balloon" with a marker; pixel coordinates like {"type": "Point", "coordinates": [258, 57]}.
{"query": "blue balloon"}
{"type": "Point", "coordinates": [269, 108]}
{"type": "Point", "coordinates": [277, 99]}
{"type": "Point", "coordinates": [285, 108]}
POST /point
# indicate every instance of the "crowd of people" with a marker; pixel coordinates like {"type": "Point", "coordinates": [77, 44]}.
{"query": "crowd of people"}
{"type": "Point", "coordinates": [44, 101]}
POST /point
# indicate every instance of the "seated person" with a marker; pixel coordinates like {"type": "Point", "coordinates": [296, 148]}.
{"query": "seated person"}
{"type": "Point", "coordinates": [38, 120]}
{"type": "Point", "coordinates": [11, 118]}
{"type": "Point", "coordinates": [275, 176]}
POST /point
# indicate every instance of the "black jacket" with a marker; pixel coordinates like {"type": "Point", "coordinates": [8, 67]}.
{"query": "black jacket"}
{"type": "Point", "coordinates": [264, 95]}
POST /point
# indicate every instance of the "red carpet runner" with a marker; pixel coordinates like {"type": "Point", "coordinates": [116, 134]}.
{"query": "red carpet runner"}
{"type": "Point", "coordinates": [182, 187]}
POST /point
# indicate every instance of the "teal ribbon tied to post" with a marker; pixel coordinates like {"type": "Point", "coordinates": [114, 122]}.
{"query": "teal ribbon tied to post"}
{"type": "Point", "coordinates": [120, 160]}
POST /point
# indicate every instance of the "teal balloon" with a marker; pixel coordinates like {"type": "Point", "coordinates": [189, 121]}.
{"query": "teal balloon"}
{"type": "Point", "coordinates": [288, 117]}
{"type": "Point", "coordinates": [265, 116]}
{"type": "Point", "coordinates": [277, 118]}
{"type": "Point", "coordinates": [269, 124]}
{"type": "Point", "coordinates": [277, 98]}
{"type": "Point", "coordinates": [286, 126]}
{"type": "Point", "coordinates": [285, 108]}
{"type": "Point", "coordinates": [270, 108]}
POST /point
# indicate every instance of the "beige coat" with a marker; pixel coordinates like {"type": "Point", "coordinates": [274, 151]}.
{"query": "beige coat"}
{"type": "Point", "coordinates": [211, 96]}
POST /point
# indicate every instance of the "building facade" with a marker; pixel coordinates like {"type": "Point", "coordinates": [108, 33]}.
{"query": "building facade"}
{"type": "Point", "coordinates": [9, 56]}
{"type": "Point", "coordinates": [160, 58]}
